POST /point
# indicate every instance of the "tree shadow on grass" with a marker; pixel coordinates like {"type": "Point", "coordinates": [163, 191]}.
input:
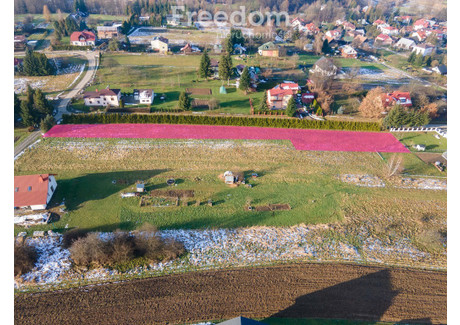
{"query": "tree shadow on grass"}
{"type": "Point", "coordinates": [92, 187]}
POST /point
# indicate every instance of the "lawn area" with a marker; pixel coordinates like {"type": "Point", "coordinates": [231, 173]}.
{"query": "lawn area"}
{"type": "Point", "coordinates": [20, 134]}
{"type": "Point", "coordinates": [307, 181]}
{"type": "Point", "coordinates": [169, 75]}
{"type": "Point", "coordinates": [428, 139]}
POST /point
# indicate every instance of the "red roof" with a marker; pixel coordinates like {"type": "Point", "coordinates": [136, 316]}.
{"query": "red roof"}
{"type": "Point", "coordinates": [422, 22]}
{"type": "Point", "coordinates": [397, 96]}
{"type": "Point", "coordinates": [378, 22]}
{"type": "Point", "coordinates": [282, 92]}
{"type": "Point", "coordinates": [308, 98]}
{"type": "Point", "coordinates": [288, 85]}
{"type": "Point", "coordinates": [383, 37]}
{"type": "Point", "coordinates": [30, 190]}
{"type": "Point", "coordinates": [89, 36]}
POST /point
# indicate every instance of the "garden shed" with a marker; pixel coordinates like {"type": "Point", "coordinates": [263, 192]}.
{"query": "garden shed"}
{"type": "Point", "coordinates": [229, 178]}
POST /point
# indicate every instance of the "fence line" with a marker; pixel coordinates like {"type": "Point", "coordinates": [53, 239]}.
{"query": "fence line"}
{"type": "Point", "coordinates": [421, 129]}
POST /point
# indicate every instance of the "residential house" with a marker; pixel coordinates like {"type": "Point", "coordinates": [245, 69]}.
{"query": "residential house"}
{"type": "Point", "coordinates": [214, 66]}
{"type": "Point", "coordinates": [383, 39]}
{"type": "Point", "coordinates": [404, 19]}
{"type": "Point", "coordinates": [307, 98]}
{"type": "Point", "coordinates": [325, 67]}
{"type": "Point", "coordinates": [84, 38]}
{"type": "Point", "coordinates": [359, 40]}
{"type": "Point", "coordinates": [160, 44]}
{"type": "Point", "coordinates": [333, 35]}
{"type": "Point", "coordinates": [389, 30]}
{"type": "Point", "coordinates": [397, 98]}
{"type": "Point", "coordinates": [144, 96]}
{"type": "Point", "coordinates": [239, 49]}
{"type": "Point", "coordinates": [348, 52]}
{"type": "Point", "coordinates": [188, 48]}
{"type": "Point", "coordinates": [405, 44]}
{"type": "Point", "coordinates": [378, 22]}
{"type": "Point", "coordinates": [423, 49]}
{"type": "Point", "coordinates": [217, 48]}
{"type": "Point", "coordinates": [144, 18]}
{"type": "Point", "coordinates": [173, 20]}
{"type": "Point", "coordinates": [348, 26]}
{"type": "Point", "coordinates": [108, 32]}
{"type": "Point", "coordinates": [440, 69]}
{"type": "Point", "coordinates": [379, 27]}
{"type": "Point", "coordinates": [270, 49]}
{"type": "Point", "coordinates": [420, 35]}
{"type": "Point", "coordinates": [278, 97]}
{"type": "Point", "coordinates": [298, 23]}
{"type": "Point", "coordinates": [34, 191]}
{"type": "Point", "coordinates": [241, 321]}
{"type": "Point", "coordinates": [20, 42]}
{"type": "Point", "coordinates": [423, 24]}
{"type": "Point", "coordinates": [104, 97]}
{"type": "Point", "coordinates": [310, 29]}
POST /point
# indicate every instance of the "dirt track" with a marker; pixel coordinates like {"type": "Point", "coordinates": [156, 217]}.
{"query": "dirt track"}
{"type": "Point", "coordinates": [301, 290]}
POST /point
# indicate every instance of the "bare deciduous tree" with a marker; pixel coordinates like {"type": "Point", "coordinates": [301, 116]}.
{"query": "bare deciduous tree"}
{"type": "Point", "coordinates": [393, 166]}
{"type": "Point", "coordinates": [372, 104]}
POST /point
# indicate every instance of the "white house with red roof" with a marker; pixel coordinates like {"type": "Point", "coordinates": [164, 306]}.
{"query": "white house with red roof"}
{"type": "Point", "coordinates": [378, 22]}
{"type": "Point", "coordinates": [104, 97]}
{"type": "Point", "coordinates": [397, 98]}
{"type": "Point", "coordinates": [389, 30]}
{"type": "Point", "coordinates": [384, 39]}
{"type": "Point", "coordinates": [404, 19]}
{"type": "Point", "coordinates": [84, 38]}
{"type": "Point", "coordinates": [33, 191]}
{"type": "Point", "coordinates": [348, 26]}
{"type": "Point", "coordinates": [298, 23]}
{"type": "Point", "coordinates": [348, 52]}
{"type": "Point", "coordinates": [310, 29]}
{"type": "Point", "coordinates": [279, 96]}
{"type": "Point", "coordinates": [423, 23]}
{"type": "Point", "coordinates": [333, 35]}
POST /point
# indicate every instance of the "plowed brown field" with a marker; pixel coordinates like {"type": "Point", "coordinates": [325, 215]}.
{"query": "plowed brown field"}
{"type": "Point", "coordinates": [295, 291]}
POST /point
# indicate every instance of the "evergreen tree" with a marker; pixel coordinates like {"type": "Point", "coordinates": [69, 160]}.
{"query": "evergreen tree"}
{"type": "Point", "coordinates": [411, 57]}
{"type": "Point", "coordinates": [205, 65]}
{"type": "Point", "coordinates": [26, 113]}
{"type": "Point", "coordinates": [228, 45]}
{"type": "Point", "coordinates": [127, 43]}
{"type": "Point", "coordinates": [418, 60]}
{"type": "Point", "coordinates": [326, 48]}
{"type": "Point", "coordinates": [47, 123]}
{"type": "Point", "coordinates": [397, 117]}
{"type": "Point", "coordinates": [225, 67]}
{"type": "Point", "coordinates": [41, 104]}
{"type": "Point", "coordinates": [291, 108]}
{"type": "Point", "coordinates": [263, 104]}
{"type": "Point", "coordinates": [245, 81]}
{"type": "Point", "coordinates": [114, 45]}
{"type": "Point", "coordinates": [295, 34]}
{"type": "Point", "coordinates": [37, 64]}
{"type": "Point", "coordinates": [428, 61]}
{"type": "Point", "coordinates": [17, 107]}
{"type": "Point", "coordinates": [184, 101]}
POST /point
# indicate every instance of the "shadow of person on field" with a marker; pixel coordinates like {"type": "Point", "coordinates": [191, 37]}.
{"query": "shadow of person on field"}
{"type": "Point", "coordinates": [365, 298]}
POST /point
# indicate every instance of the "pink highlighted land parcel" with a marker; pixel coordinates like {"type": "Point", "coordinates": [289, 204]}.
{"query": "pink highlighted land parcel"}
{"type": "Point", "coordinates": [320, 140]}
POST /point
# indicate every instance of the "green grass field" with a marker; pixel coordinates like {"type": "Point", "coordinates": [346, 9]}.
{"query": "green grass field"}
{"type": "Point", "coordinates": [426, 138]}
{"type": "Point", "coordinates": [20, 134]}
{"type": "Point", "coordinates": [306, 180]}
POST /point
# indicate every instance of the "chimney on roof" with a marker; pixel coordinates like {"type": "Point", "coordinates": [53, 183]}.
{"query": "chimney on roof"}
{"type": "Point", "coordinates": [40, 179]}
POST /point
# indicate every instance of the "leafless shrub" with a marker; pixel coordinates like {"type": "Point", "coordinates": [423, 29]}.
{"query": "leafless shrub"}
{"type": "Point", "coordinates": [72, 235]}
{"type": "Point", "coordinates": [122, 248]}
{"type": "Point", "coordinates": [393, 166]}
{"type": "Point", "coordinates": [25, 257]}
{"type": "Point", "coordinates": [90, 250]}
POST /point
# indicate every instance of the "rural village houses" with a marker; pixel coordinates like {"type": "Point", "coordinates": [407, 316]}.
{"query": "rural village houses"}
{"type": "Point", "coordinates": [84, 38]}
{"type": "Point", "coordinates": [104, 97]}
{"type": "Point", "coordinates": [279, 96]}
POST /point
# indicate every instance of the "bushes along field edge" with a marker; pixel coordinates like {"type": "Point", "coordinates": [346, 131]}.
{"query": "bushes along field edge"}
{"type": "Point", "coordinates": [220, 120]}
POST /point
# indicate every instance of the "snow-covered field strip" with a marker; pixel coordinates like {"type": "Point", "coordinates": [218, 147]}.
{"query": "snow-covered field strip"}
{"type": "Point", "coordinates": [208, 249]}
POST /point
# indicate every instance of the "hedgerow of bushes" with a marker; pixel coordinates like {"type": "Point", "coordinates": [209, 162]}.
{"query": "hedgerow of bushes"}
{"type": "Point", "coordinates": [122, 250]}
{"type": "Point", "coordinates": [220, 120]}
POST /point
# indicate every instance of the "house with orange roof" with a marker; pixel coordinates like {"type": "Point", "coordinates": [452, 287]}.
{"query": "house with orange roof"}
{"type": "Point", "coordinates": [84, 38]}
{"type": "Point", "coordinates": [397, 98]}
{"type": "Point", "coordinates": [33, 191]}
{"type": "Point", "coordinates": [279, 96]}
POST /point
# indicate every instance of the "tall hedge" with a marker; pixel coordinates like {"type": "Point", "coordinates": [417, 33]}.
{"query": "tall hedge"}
{"type": "Point", "coordinates": [220, 120]}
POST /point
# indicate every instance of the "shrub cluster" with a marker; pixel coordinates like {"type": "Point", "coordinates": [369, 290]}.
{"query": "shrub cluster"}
{"type": "Point", "coordinates": [123, 247]}
{"type": "Point", "coordinates": [25, 257]}
{"type": "Point", "coordinates": [220, 120]}
{"type": "Point", "coordinates": [68, 47]}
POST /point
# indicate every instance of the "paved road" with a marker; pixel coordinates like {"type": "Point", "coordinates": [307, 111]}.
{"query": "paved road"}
{"type": "Point", "coordinates": [66, 98]}
{"type": "Point", "coordinates": [92, 58]}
